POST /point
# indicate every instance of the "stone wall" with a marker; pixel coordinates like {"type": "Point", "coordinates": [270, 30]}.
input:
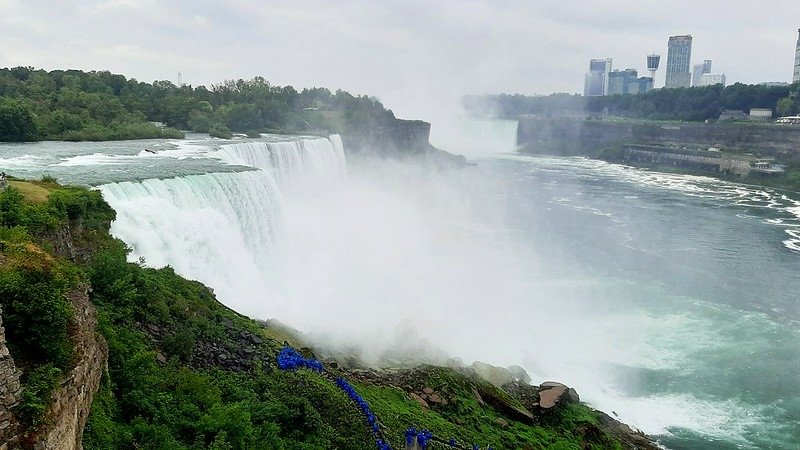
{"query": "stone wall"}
{"type": "Point", "coordinates": [9, 395]}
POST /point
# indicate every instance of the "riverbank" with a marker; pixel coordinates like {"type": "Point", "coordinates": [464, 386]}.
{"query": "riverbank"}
{"type": "Point", "coordinates": [751, 153]}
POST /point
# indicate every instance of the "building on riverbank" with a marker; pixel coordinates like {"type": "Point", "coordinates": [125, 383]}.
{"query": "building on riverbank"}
{"type": "Point", "coordinates": [596, 81]}
{"type": "Point", "coordinates": [698, 70]}
{"type": "Point", "coordinates": [679, 55]}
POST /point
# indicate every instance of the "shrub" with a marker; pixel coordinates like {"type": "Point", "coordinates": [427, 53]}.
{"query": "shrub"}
{"type": "Point", "coordinates": [219, 130]}
{"type": "Point", "coordinates": [39, 386]}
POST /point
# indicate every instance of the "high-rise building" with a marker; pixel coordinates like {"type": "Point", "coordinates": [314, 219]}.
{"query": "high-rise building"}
{"type": "Point", "coordinates": [596, 81]}
{"type": "Point", "coordinates": [698, 70]}
{"type": "Point", "coordinates": [679, 55]}
{"type": "Point", "coordinates": [628, 82]}
{"type": "Point", "coordinates": [796, 77]}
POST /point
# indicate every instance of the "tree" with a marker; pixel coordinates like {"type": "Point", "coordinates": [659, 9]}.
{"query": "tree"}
{"type": "Point", "coordinates": [785, 106]}
{"type": "Point", "coordinates": [17, 122]}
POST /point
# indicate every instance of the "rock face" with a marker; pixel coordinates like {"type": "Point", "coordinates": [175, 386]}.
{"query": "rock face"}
{"type": "Point", "coordinates": [69, 410]}
{"type": "Point", "coordinates": [9, 395]}
{"type": "Point", "coordinates": [572, 136]}
{"type": "Point", "coordinates": [401, 138]}
{"type": "Point", "coordinates": [70, 403]}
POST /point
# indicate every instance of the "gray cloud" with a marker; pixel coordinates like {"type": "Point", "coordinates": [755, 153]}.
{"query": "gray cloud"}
{"type": "Point", "coordinates": [417, 56]}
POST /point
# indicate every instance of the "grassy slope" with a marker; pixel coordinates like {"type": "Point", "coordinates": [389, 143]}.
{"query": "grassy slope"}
{"type": "Point", "coordinates": [186, 372]}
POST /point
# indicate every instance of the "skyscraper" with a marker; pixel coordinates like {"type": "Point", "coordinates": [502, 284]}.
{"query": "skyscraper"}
{"type": "Point", "coordinates": [679, 55]}
{"type": "Point", "coordinates": [698, 70]}
{"type": "Point", "coordinates": [596, 82]}
{"type": "Point", "coordinates": [796, 77]}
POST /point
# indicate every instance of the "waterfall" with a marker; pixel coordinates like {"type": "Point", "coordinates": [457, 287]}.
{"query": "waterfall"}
{"type": "Point", "coordinates": [224, 228]}
{"type": "Point", "coordinates": [474, 137]}
{"type": "Point", "coordinates": [320, 159]}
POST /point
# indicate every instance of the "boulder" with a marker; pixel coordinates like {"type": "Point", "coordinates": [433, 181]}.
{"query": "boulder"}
{"type": "Point", "coordinates": [553, 393]}
{"type": "Point", "coordinates": [419, 400]}
{"type": "Point", "coordinates": [498, 376]}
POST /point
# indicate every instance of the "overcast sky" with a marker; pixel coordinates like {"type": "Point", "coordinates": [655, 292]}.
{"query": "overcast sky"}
{"type": "Point", "coordinates": [417, 56]}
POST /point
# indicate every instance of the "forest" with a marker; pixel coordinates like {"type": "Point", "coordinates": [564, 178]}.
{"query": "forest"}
{"type": "Point", "coordinates": [75, 105]}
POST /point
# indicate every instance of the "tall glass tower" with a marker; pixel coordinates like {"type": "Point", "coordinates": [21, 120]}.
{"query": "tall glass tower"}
{"type": "Point", "coordinates": [796, 77]}
{"type": "Point", "coordinates": [679, 56]}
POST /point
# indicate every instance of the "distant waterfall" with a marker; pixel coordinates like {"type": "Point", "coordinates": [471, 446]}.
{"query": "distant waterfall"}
{"type": "Point", "coordinates": [222, 228]}
{"type": "Point", "coordinates": [476, 137]}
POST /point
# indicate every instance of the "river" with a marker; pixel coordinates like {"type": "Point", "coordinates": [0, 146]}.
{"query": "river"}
{"type": "Point", "coordinates": [668, 300]}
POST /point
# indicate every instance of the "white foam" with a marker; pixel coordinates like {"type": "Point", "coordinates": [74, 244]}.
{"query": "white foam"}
{"type": "Point", "coordinates": [95, 159]}
{"type": "Point", "coordinates": [22, 162]}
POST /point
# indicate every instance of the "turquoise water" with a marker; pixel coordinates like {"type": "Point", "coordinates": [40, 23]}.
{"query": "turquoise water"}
{"type": "Point", "coordinates": [669, 300]}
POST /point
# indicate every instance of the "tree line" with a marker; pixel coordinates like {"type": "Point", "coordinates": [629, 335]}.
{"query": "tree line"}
{"type": "Point", "coordinates": [75, 105]}
{"type": "Point", "coordinates": [685, 104]}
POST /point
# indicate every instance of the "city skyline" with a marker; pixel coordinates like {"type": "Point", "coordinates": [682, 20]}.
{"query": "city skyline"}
{"type": "Point", "coordinates": [416, 57]}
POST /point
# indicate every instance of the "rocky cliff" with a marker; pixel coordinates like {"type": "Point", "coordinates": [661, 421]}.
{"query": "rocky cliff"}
{"type": "Point", "coordinates": [400, 138]}
{"type": "Point", "coordinates": [10, 393]}
{"type": "Point", "coordinates": [62, 427]}
{"type": "Point", "coordinates": [575, 136]}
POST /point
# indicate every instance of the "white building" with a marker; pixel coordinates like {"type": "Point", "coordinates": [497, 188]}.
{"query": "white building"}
{"type": "Point", "coordinates": [698, 70]}
{"type": "Point", "coordinates": [760, 113]}
{"type": "Point", "coordinates": [710, 79]}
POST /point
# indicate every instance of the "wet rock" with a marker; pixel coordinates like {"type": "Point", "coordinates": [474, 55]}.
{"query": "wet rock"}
{"type": "Point", "coordinates": [502, 422]}
{"type": "Point", "coordinates": [550, 397]}
{"type": "Point", "coordinates": [161, 358]}
{"type": "Point", "coordinates": [552, 394]}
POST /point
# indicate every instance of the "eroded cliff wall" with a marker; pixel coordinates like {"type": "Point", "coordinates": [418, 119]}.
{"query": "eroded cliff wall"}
{"type": "Point", "coordinates": [574, 136]}
{"type": "Point", "coordinates": [10, 393]}
{"type": "Point", "coordinates": [66, 417]}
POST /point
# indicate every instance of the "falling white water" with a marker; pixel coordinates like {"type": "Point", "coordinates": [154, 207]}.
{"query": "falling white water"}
{"type": "Point", "coordinates": [224, 228]}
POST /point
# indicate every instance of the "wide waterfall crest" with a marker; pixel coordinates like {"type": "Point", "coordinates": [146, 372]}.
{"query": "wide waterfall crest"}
{"type": "Point", "coordinates": [199, 224]}
{"type": "Point", "coordinates": [321, 159]}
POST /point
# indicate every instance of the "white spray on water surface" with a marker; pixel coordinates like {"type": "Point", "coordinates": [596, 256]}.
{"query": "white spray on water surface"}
{"type": "Point", "coordinates": [350, 256]}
